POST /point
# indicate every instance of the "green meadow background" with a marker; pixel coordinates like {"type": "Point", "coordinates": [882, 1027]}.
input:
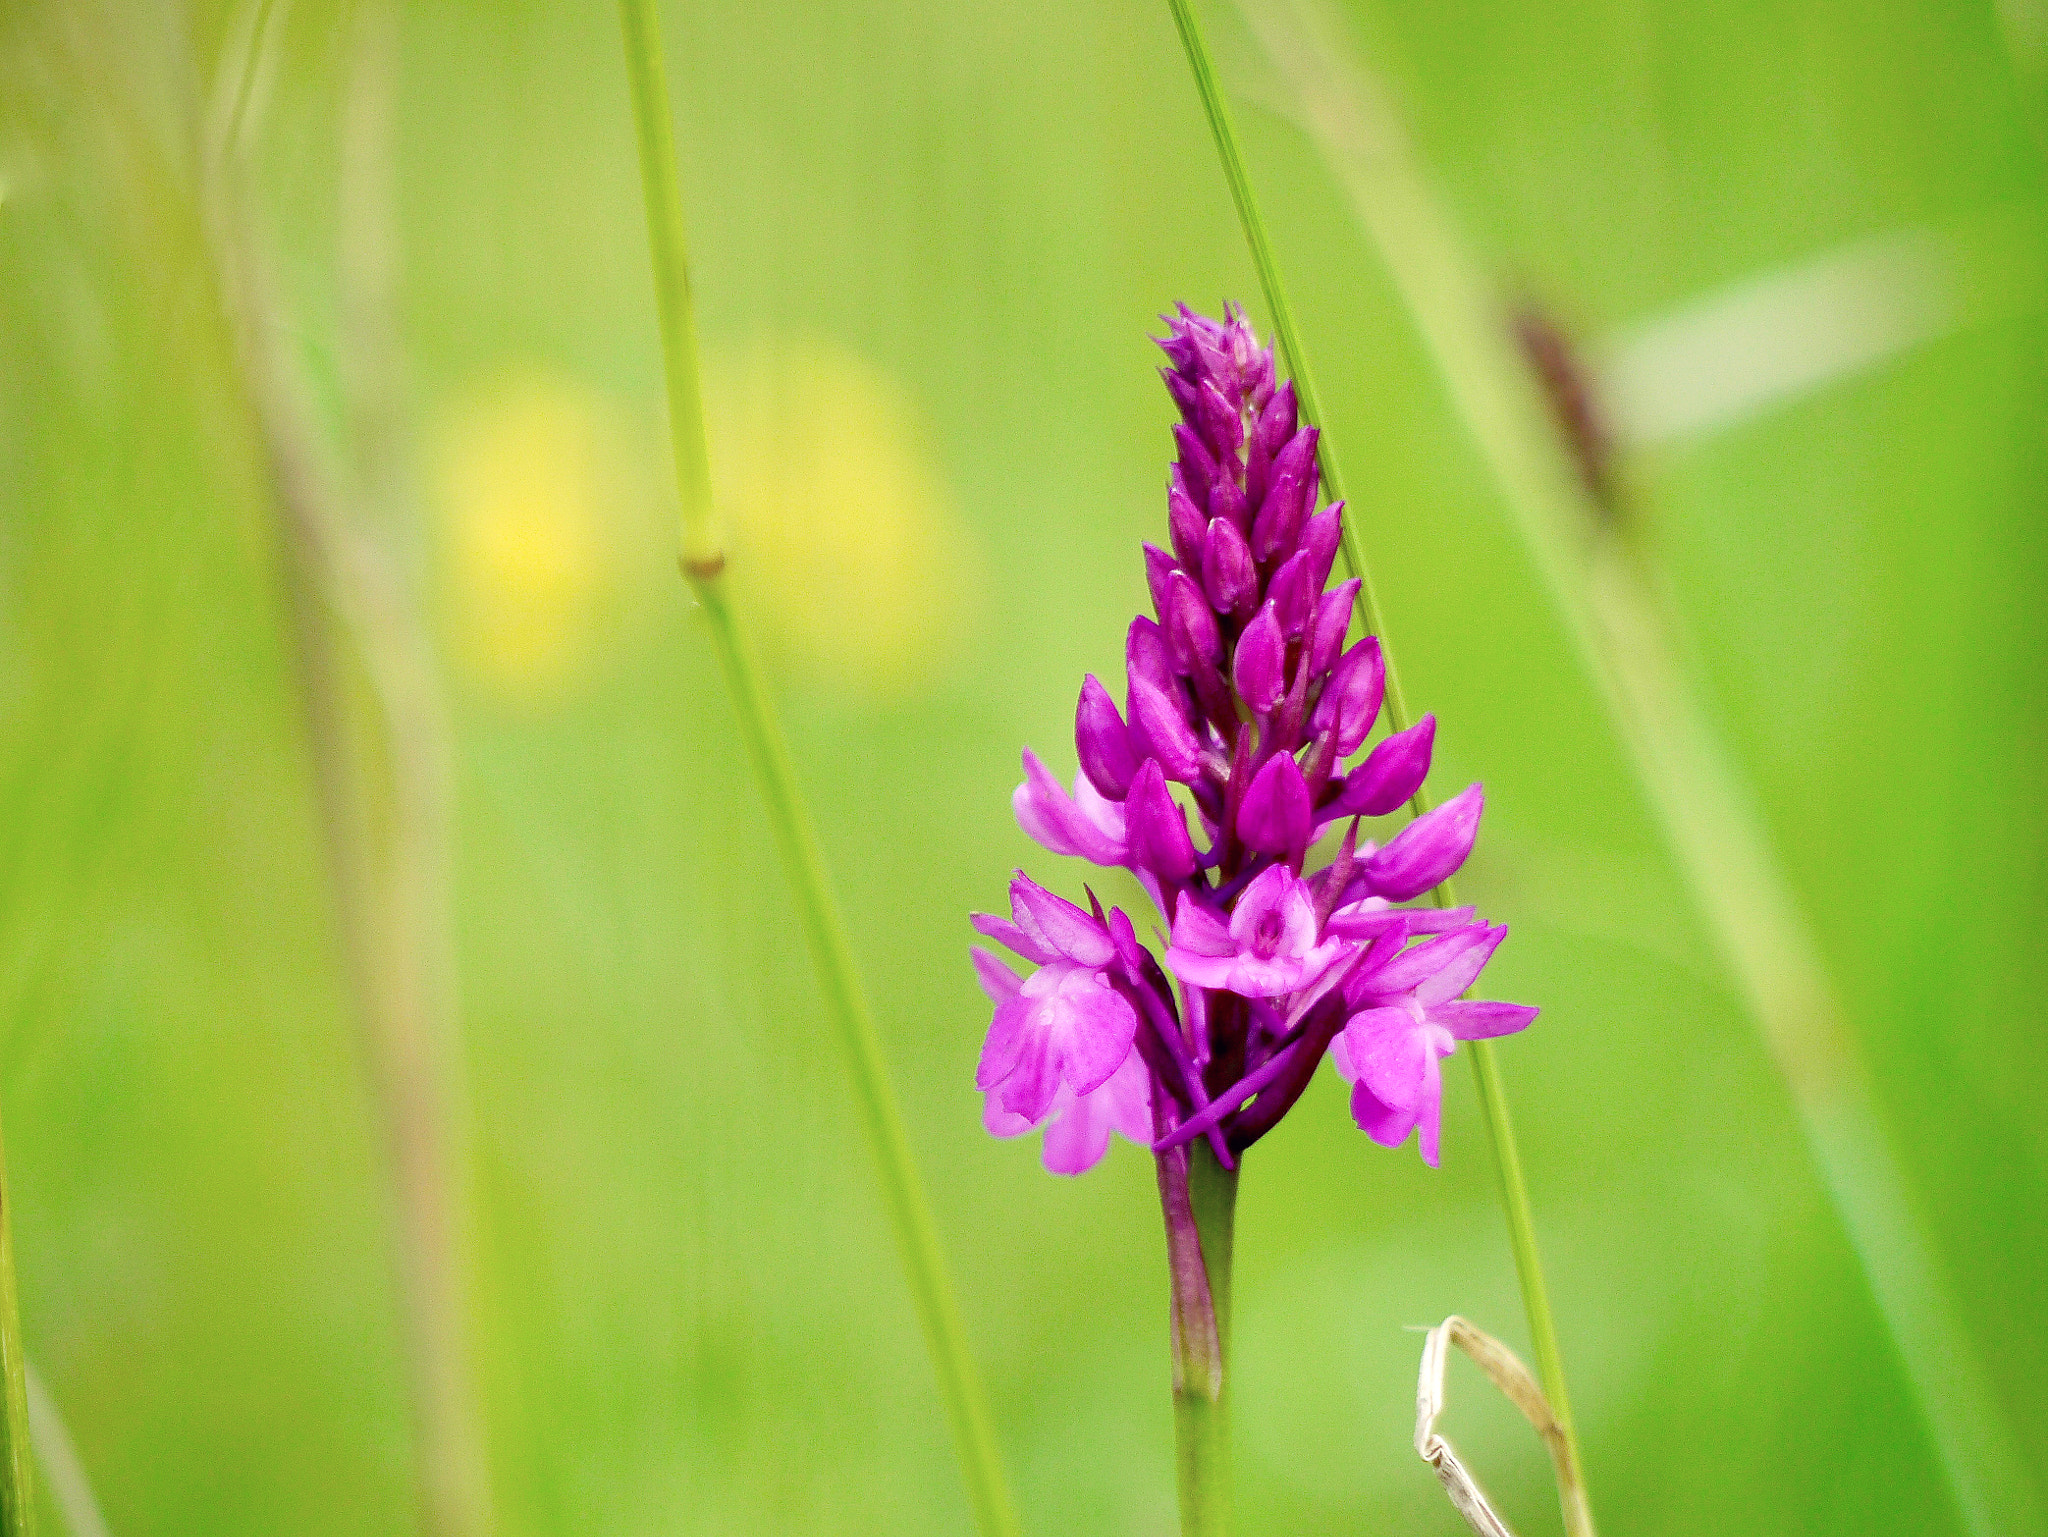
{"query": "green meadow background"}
{"type": "Point", "coordinates": [929, 238]}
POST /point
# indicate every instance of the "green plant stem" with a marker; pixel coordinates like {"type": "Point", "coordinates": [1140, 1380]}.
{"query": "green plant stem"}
{"type": "Point", "coordinates": [17, 1486]}
{"type": "Point", "coordinates": [1201, 1335]}
{"type": "Point", "coordinates": [1610, 598]}
{"type": "Point", "coordinates": [796, 837]}
{"type": "Point", "coordinates": [1486, 1069]}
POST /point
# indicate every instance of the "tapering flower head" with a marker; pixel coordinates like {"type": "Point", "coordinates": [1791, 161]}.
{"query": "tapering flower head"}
{"type": "Point", "coordinates": [1224, 767]}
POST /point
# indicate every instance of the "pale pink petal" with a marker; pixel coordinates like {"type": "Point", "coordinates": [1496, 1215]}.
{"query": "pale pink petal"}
{"type": "Point", "coordinates": [1129, 1095]}
{"type": "Point", "coordinates": [1007, 934]}
{"type": "Point", "coordinates": [1058, 923]}
{"type": "Point", "coordinates": [1078, 1136]}
{"type": "Point", "coordinates": [1096, 1029]}
{"type": "Point", "coordinates": [1008, 1034]}
{"type": "Point", "coordinates": [1412, 968]}
{"type": "Point", "coordinates": [997, 980]}
{"type": "Point", "coordinates": [1464, 968]}
{"type": "Point", "coordinates": [1477, 1021]}
{"type": "Point", "coordinates": [1202, 970]}
{"type": "Point", "coordinates": [1390, 1053]}
{"type": "Point", "coordinates": [1429, 1114]}
{"type": "Point", "coordinates": [1197, 928]}
{"type": "Point", "coordinates": [999, 1122]}
{"type": "Point", "coordinates": [1388, 1125]}
{"type": "Point", "coordinates": [1047, 813]}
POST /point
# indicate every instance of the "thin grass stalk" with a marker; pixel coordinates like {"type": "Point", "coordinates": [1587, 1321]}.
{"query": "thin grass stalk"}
{"type": "Point", "coordinates": [1610, 595]}
{"type": "Point", "coordinates": [796, 838]}
{"type": "Point", "coordinates": [63, 1469]}
{"type": "Point", "coordinates": [1493, 1102]}
{"type": "Point", "coordinates": [17, 1481]}
{"type": "Point", "coordinates": [381, 760]}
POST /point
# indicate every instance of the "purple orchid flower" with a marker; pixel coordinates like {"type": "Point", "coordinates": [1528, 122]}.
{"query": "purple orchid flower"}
{"type": "Point", "coordinates": [1077, 1126]}
{"type": "Point", "coordinates": [1063, 1027]}
{"type": "Point", "coordinates": [1268, 945]}
{"type": "Point", "coordinates": [1212, 786]}
{"type": "Point", "coordinates": [1409, 1017]}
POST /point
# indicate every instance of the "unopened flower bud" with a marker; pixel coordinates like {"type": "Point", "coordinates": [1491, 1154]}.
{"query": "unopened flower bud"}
{"type": "Point", "coordinates": [1157, 829]}
{"type": "Point", "coordinates": [1227, 570]}
{"type": "Point", "coordinates": [1429, 850]}
{"type": "Point", "coordinates": [1188, 527]}
{"type": "Point", "coordinates": [1391, 774]}
{"type": "Point", "coordinates": [1197, 464]}
{"type": "Point", "coordinates": [1288, 498]}
{"type": "Point", "coordinates": [1351, 699]}
{"type": "Point", "coordinates": [1102, 741]}
{"type": "Point", "coordinates": [1158, 718]}
{"type": "Point", "coordinates": [1159, 566]}
{"type": "Point", "coordinates": [1326, 631]}
{"type": "Point", "coordinates": [1222, 427]}
{"type": "Point", "coordinates": [1259, 669]}
{"type": "Point", "coordinates": [1274, 815]}
{"type": "Point", "coordinates": [1320, 537]}
{"type": "Point", "coordinates": [1192, 639]}
{"type": "Point", "coordinates": [1292, 592]}
{"type": "Point", "coordinates": [1145, 654]}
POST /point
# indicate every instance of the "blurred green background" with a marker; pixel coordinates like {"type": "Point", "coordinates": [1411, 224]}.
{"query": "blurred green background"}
{"type": "Point", "coordinates": [929, 239]}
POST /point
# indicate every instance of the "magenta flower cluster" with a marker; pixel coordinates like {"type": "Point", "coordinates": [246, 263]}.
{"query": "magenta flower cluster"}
{"type": "Point", "coordinates": [1242, 702]}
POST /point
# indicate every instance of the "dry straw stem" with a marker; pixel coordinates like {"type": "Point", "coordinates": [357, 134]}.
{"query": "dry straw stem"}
{"type": "Point", "coordinates": [376, 727]}
{"type": "Point", "coordinates": [1506, 1371]}
{"type": "Point", "coordinates": [1610, 596]}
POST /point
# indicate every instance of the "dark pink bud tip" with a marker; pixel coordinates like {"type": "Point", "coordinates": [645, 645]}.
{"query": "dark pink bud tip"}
{"type": "Point", "coordinates": [1102, 742]}
{"type": "Point", "coordinates": [1319, 540]}
{"type": "Point", "coordinates": [1227, 571]}
{"type": "Point", "coordinates": [1157, 828]}
{"type": "Point", "coordinates": [1289, 497]}
{"type": "Point", "coordinates": [1260, 667]}
{"type": "Point", "coordinates": [1292, 592]}
{"type": "Point", "coordinates": [1276, 422]}
{"type": "Point", "coordinates": [1157, 718]}
{"type": "Point", "coordinates": [1429, 850]}
{"type": "Point", "coordinates": [1391, 774]}
{"type": "Point", "coordinates": [1222, 427]}
{"type": "Point", "coordinates": [1189, 528]}
{"type": "Point", "coordinates": [1351, 701]}
{"type": "Point", "coordinates": [1326, 630]}
{"type": "Point", "coordinates": [1145, 654]}
{"type": "Point", "coordinates": [1274, 815]}
{"type": "Point", "coordinates": [1159, 566]}
{"type": "Point", "coordinates": [1197, 464]}
{"type": "Point", "coordinates": [1192, 639]}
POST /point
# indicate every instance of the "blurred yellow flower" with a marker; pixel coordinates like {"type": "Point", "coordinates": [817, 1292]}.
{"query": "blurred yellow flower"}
{"type": "Point", "coordinates": [532, 480]}
{"type": "Point", "coordinates": [853, 561]}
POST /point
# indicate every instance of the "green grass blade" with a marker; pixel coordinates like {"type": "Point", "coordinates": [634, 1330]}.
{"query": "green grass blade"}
{"type": "Point", "coordinates": [1709, 815]}
{"type": "Point", "coordinates": [796, 837]}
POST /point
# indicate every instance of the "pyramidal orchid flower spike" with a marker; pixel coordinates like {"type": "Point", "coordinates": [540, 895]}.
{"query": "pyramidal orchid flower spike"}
{"type": "Point", "coordinates": [1241, 710]}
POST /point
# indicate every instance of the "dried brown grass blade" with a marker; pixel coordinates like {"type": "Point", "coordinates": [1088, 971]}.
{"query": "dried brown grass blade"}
{"type": "Point", "coordinates": [1506, 1371]}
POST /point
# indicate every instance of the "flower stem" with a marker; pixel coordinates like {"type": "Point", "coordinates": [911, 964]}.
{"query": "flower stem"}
{"type": "Point", "coordinates": [1199, 1197]}
{"type": "Point", "coordinates": [1486, 1070]}
{"type": "Point", "coordinates": [17, 1489]}
{"type": "Point", "coordinates": [1610, 597]}
{"type": "Point", "coordinates": [796, 836]}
